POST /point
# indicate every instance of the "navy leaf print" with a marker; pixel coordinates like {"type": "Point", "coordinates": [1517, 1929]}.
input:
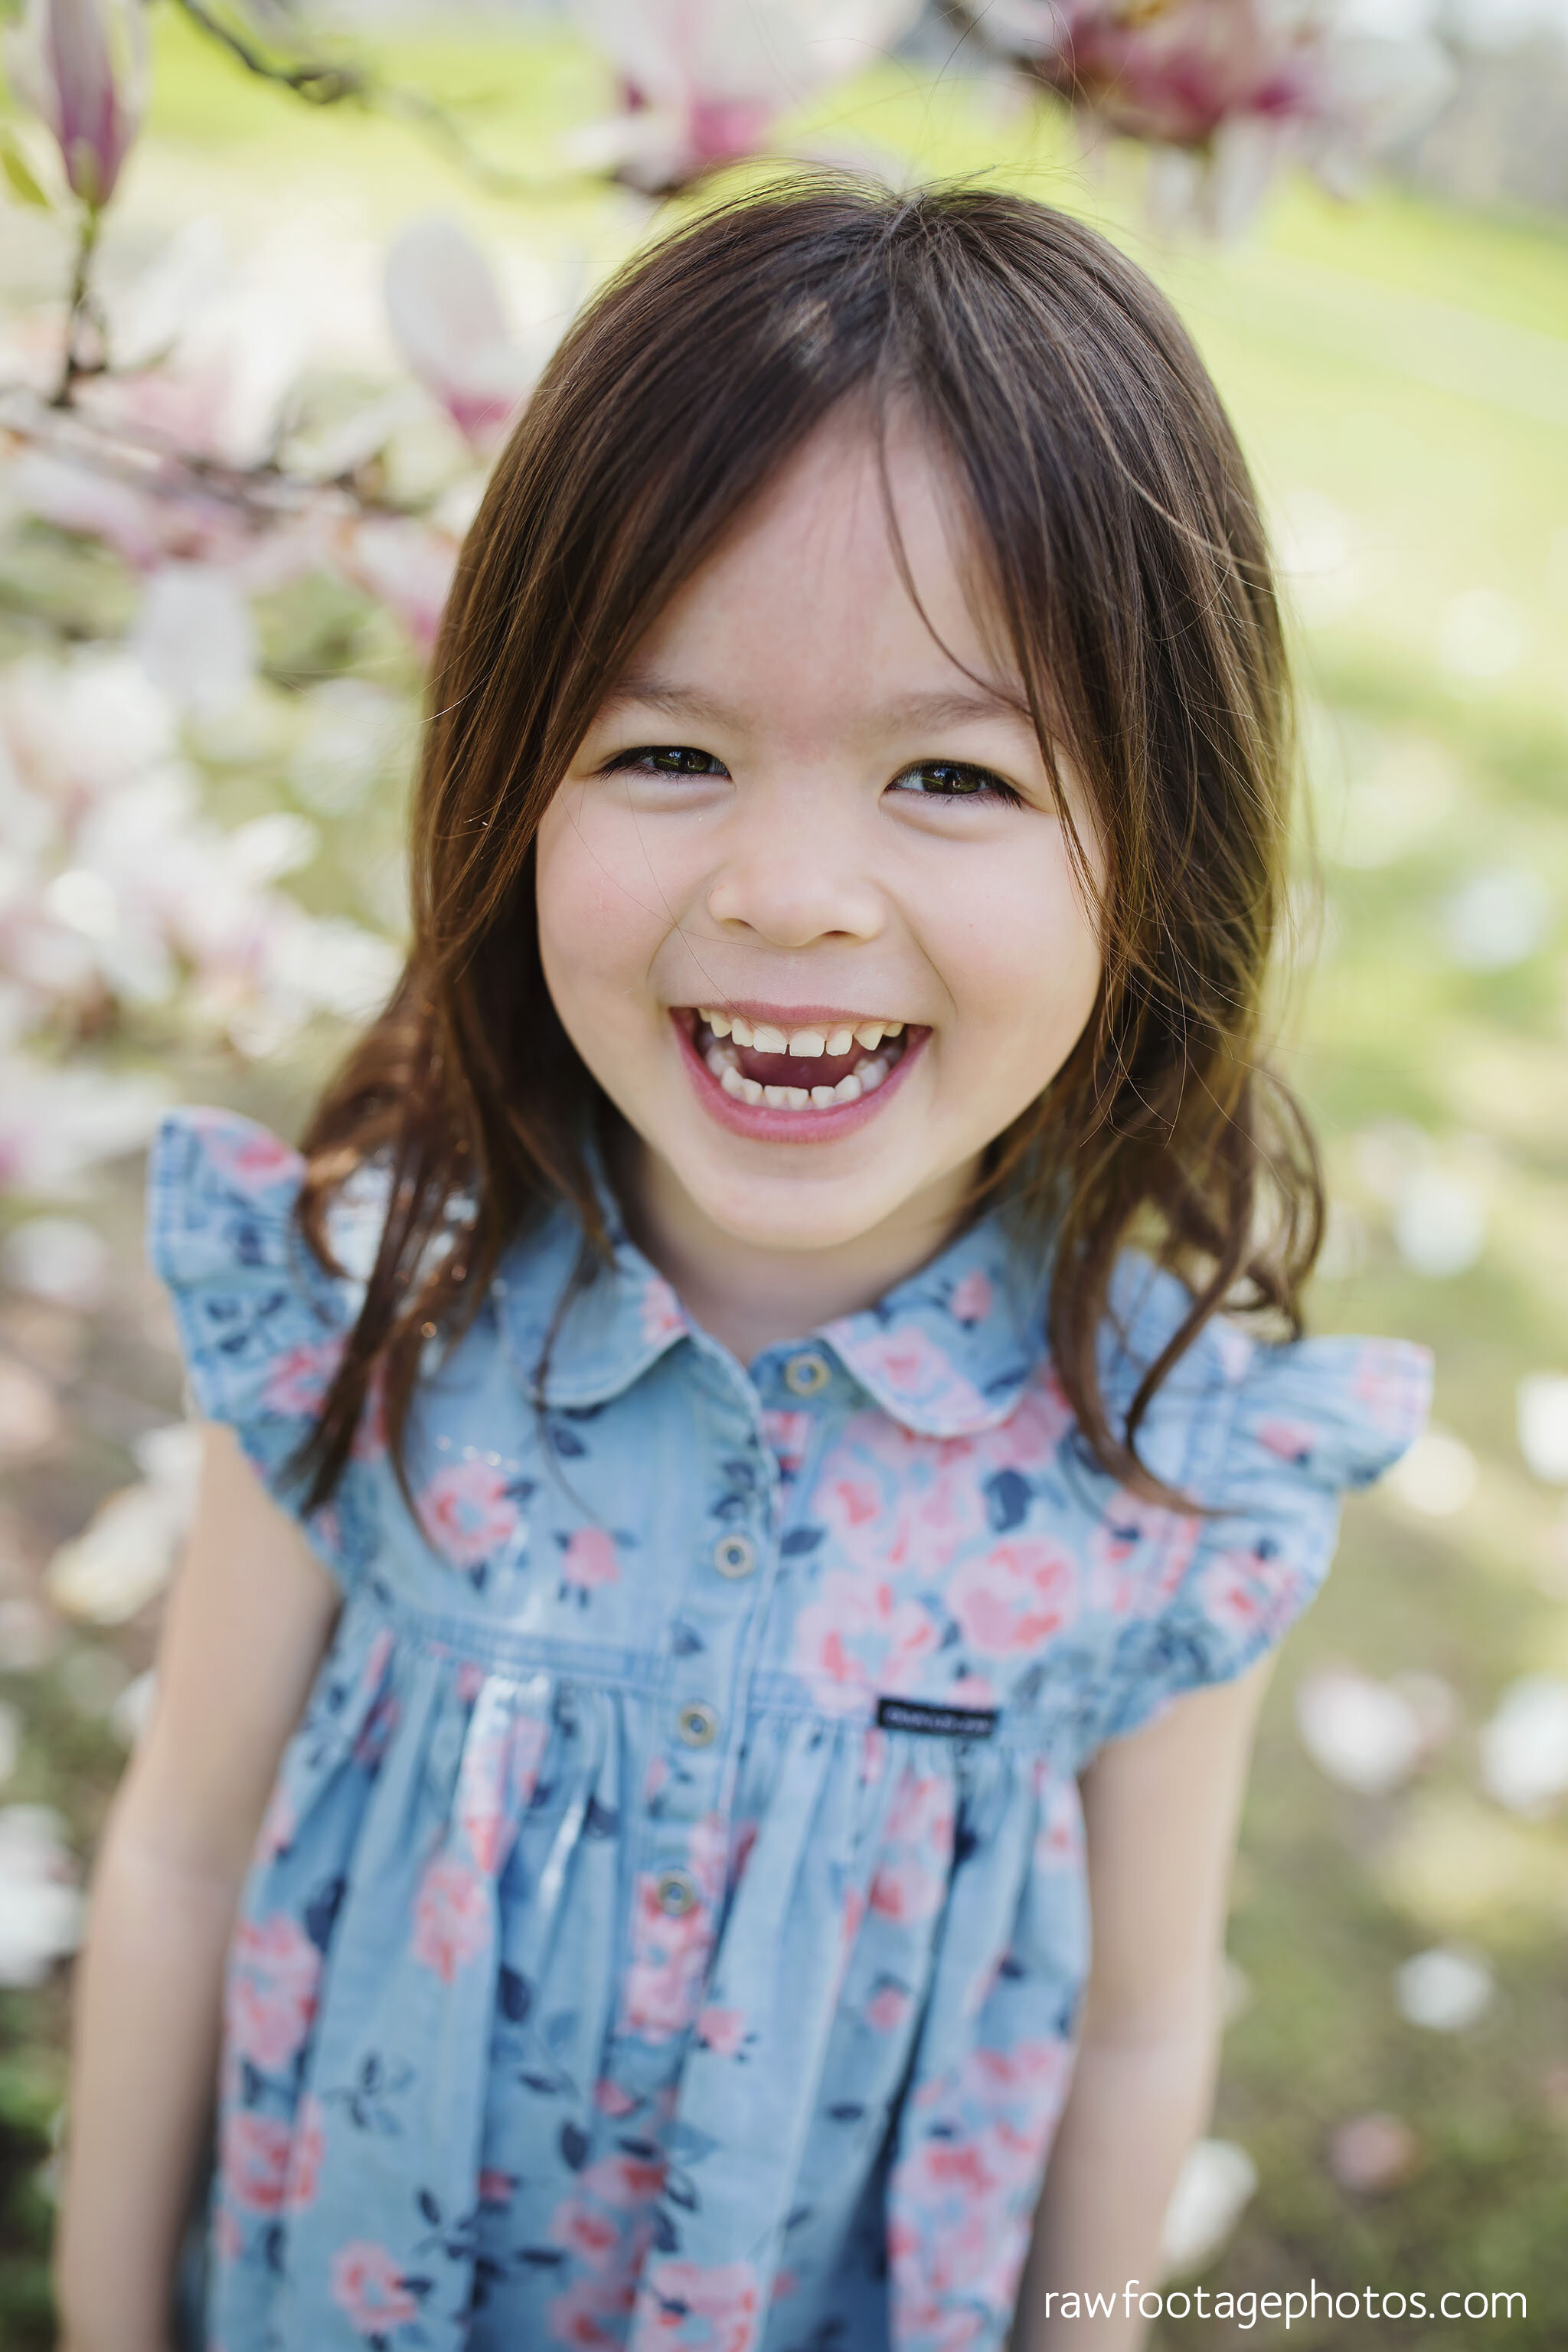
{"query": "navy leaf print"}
{"type": "Point", "coordinates": [430, 2207]}
{"type": "Point", "coordinates": [1007, 1500]}
{"type": "Point", "coordinates": [516, 1996]}
{"type": "Point", "coordinates": [801, 1540]}
{"type": "Point", "coordinates": [601, 1821]}
{"type": "Point", "coordinates": [575, 2145]}
{"type": "Point", "coordinates": [666, 2237]}
{"type": "Point", "coordinates": [321, 1910]}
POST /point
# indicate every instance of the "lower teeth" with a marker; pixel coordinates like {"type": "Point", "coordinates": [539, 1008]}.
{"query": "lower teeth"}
{"type": "Point", "coordinates": [864, 1079]}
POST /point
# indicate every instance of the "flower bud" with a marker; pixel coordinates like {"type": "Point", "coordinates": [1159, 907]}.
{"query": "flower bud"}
{"type": "Point", "coordinates": [81, 65]}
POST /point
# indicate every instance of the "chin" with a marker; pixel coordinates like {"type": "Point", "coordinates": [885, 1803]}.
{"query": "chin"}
{"type": "Point", "coordinates": [789, 1212]}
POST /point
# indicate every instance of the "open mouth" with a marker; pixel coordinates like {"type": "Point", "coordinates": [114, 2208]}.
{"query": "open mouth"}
{"type": "Point", "coordinates": [813, 1078]}
{"type": "Point", "coordinates": [804, 1068]}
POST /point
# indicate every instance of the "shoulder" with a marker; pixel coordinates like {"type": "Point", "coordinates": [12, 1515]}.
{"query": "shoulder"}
{"type": "Point", "coordinates": [262, 1323]}
{"type": "Point", "coordinates": [1333, 1412]}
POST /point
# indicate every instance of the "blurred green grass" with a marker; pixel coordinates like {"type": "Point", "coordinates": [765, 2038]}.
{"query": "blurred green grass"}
{"type": "Point", "coordinates": [1399, 373]}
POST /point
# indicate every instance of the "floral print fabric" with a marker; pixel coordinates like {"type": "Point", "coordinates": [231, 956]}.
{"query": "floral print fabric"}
{"type": "Point", "coordinates": [608, 1973]}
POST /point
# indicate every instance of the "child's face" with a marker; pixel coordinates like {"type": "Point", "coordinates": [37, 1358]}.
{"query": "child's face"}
{"type": "Point", "coordinates": [798, 813]}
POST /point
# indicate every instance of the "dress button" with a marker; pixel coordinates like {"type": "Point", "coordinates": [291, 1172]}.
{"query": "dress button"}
{"type": "Point", "coordinates": [675, 1894]}
{"type": "Point", "coordinates": [697, 1724]}
{"type": "Point", "coordinates": [807, 1375]}
{"type": "Point", "coordinates": [734, 1555]}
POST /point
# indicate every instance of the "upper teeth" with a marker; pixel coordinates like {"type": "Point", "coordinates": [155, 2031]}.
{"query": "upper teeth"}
{"type": "Point", "coordinates": [763, 1037]}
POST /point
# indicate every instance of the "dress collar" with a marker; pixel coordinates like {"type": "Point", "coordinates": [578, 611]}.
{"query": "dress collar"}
{"type": "Point", "coordinates": [945, 1353]}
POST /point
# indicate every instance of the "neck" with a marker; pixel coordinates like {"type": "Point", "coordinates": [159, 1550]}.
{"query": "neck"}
{"type": "Point", "coordinates": [751, 1298]}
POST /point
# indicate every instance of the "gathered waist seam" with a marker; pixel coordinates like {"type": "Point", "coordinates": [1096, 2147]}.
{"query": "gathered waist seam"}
{"type": "Point", "coordinates": [520, 1655]}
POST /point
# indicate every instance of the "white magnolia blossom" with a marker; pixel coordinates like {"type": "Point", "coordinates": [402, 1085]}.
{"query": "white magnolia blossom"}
{"type": "Point", "coordinates": [1217, 2181]}
{"type": "Point", "coordinates": [41, 1909]}
{"type": "Point", "coordinates": [1367, 1734]}
{"type": "Point", "coordinates": [1542, 1414]}
{"type": "Point", "coordinates": [1444, 1990]}
{"type": "Point", "coordinates": [116, 887]}
{"type": "Point", "coordinates": [1524, 1747]}
{"type": "Point", "coordinates": [62, 1259]}
{"type": "Point", "coordinates": [126, 1553]}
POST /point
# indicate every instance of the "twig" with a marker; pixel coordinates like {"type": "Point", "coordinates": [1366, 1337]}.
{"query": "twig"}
{"type": "Point", "coordinates": [320, 82]}
{"type": "Point", "coordinates": [78, 309]}
{"type": "Point", "coordinates": [315, 79]}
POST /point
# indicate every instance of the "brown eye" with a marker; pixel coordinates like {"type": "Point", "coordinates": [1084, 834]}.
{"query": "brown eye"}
{"type": "Point", "coordinates": [671, 759]}
{"type": "Point", "coordinates": [952, 780]}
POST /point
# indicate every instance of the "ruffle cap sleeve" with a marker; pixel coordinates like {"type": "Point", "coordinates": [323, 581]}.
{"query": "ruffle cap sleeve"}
{"type": "Point", "coordinates": [262, 1325]}
{"type": "Point", "coordinates": [1279, 1434]}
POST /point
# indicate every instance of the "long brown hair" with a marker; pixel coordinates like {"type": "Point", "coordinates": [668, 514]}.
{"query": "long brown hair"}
{"type": "Point", "coordinates": [1131, 570]}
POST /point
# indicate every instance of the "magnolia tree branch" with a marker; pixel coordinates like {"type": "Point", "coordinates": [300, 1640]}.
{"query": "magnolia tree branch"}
{"type": "Point", "coordinates": [321, 82]}
{"type": "Point", "coordinates": [266, 493]}
{"type": "Point", "coordinates": [316, 80]}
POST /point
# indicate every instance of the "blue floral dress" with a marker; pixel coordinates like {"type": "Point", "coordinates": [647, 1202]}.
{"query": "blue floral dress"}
{"type": "Point", "coordinates": [670, 1922]}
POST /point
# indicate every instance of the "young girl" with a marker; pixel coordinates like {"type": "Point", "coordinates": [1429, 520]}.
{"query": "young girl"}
{"type": "Point", "coordinates": [762, 1515]}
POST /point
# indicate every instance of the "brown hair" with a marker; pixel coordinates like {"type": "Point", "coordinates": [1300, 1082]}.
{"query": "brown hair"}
{"type": "Point", "coordinates": [1131, 570]}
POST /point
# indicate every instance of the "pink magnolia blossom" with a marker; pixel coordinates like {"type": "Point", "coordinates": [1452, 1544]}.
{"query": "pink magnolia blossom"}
{"type": "Point", "coordinates": [81, 65]}
{"type": "Point", "coordinates": [704, 82]}
{"type": "Point", "coordinates": [1224, 90]}
{"type": "Point", "coordinates": [445, 312]}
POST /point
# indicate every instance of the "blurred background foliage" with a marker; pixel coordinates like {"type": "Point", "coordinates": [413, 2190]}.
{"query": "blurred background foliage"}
{"type": "Point", "coordinates": [219, 574]}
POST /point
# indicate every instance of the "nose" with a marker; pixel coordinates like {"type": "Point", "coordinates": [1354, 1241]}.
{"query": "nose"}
{"type": "Point", "coordinates": [795, 871]}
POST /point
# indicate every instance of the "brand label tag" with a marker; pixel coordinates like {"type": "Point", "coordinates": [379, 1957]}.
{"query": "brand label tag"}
{"type": "Point", "coordinates": [940, 1722]}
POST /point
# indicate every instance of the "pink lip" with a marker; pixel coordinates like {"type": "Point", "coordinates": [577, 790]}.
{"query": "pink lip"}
{"type": "Point", "coordinates": [764, 1124]}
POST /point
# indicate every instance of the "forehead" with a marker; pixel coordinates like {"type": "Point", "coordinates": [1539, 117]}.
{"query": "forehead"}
{"type": "Point", "coordinates": [855, 574]}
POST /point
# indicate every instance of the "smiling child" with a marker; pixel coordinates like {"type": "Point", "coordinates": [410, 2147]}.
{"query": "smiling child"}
{"type": "Point", "coordinates": [785, 1441]}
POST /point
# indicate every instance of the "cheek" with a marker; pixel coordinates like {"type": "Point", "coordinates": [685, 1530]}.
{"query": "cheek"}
{"type": "Point", "coordinates": [591, 926]}
{"type": "Point", "coordinates": [1023, 960]}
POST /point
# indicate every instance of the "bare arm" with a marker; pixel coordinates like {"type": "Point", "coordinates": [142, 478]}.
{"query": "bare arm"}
{"type": "Point", "coordinates": [1161, 1810]}
{"type": "Point", "coordinates": [248, 1623]}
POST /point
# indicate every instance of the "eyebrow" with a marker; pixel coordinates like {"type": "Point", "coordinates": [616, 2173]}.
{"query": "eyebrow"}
{"type": "Point", "coordinates": [945, 708]}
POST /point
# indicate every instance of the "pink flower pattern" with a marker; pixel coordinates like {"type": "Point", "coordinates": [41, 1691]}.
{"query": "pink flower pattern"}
{"type": "Point", "coordinates": [720, 2308]}
{"type": "Point", "coordinates": [1012, 1598]}
{"type": "Point", "coordinates": [468, 1512]}
{"type": "Point", "coordinates": [274, 1972]}
{"type": "Point", "coordinates": [367, 2284]}
{"type": "Point", "coordinates": [500, 1771]}
{"type": "Point", "coordinates": [931, 1532]}
{"type": "Point", "coordinates": [298, 1380]}
{"type": "Point", "coordinates": [451, 1917]}
{"type": "Point", "coordinates": [589, 1560]}
{"type": "Point", "coordinates": [254, 2160]}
